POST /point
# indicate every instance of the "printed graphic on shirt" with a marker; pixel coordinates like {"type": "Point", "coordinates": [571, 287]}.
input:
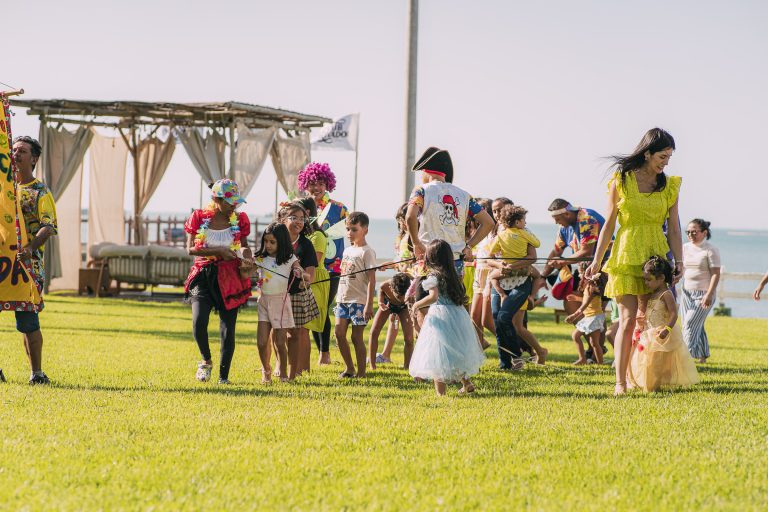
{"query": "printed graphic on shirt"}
{"type": "Point", "coordinates": [450, 213]}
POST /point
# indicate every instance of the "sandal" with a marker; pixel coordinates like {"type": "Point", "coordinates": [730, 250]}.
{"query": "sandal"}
{"type": "Point", "coordinates": [345, 375]}
{"type": "Point", "coordinates": [266, 377]}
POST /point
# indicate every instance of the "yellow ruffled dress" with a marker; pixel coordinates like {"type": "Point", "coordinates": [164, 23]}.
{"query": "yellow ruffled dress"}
{"type": "Point", "coordinates": [640, 235]}
{"type": "Point", "coordinates": [656, 362]}
{"type": "Point", "coordinates": [320, 290]}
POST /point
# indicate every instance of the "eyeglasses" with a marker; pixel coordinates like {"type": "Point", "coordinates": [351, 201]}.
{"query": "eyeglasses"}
{"type": "Point", "coordinates": [691, 232]}
{"type": "Point", "coordinates": [293, 218]}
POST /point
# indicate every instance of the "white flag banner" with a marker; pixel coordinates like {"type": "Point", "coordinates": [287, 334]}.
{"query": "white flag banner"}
{"type": "Point", "coordinates": [341, 135]}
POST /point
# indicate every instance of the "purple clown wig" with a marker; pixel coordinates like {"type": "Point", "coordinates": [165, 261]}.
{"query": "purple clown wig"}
{"type": "Point", "coordinates": [316, 171]}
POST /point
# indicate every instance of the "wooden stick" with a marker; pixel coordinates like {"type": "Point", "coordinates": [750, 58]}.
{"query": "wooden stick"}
{"type": "Point", "coordinates": [8, 94]}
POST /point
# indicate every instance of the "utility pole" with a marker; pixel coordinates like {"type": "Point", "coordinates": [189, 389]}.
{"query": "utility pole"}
{"type": "Point", "coordinates": [410, 101]}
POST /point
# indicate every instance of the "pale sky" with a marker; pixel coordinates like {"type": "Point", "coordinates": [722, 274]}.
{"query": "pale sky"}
{"type": "Point", "coordinates": [527, 96]}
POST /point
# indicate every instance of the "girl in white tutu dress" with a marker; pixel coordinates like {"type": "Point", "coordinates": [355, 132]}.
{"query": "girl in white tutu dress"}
{"type": "Point", "coordinates": [447, 348]}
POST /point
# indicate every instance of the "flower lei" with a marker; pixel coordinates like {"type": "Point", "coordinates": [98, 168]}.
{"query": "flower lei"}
{"type": "Point", "coordinates": [202, 232]}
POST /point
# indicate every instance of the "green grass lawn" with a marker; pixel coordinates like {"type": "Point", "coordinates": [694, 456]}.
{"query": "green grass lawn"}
{"type": "Point", "coordinates": [126, 426]}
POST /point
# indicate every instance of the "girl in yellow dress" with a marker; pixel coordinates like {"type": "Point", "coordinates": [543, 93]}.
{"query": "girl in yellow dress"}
{"type": "Point", "coordinates": [660, 358]}
{"type": "Point", "coordinates": [641, 198]}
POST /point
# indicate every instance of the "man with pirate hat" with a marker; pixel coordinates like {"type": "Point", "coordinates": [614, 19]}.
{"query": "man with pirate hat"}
{"type": "Point", "coordinates": [438, 209]}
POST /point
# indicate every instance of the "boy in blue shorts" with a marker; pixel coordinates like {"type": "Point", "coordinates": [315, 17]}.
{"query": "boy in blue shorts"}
{"type": "Point", "coordinates": [354, 300]}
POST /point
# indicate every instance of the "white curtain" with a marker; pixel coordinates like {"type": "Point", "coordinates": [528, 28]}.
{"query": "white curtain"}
{"type": "Point", "coordinates": [107, 188]}
{"type": "Point", "coordinates": [68, 244]}
{"type": "Point", "coordinates": [59, 165]}
{"type": "Point", "coordinates": [289, 156]}
{"type": "Point", "coordinates": [251, 152]}
{"type": "Point", "coordinates": [206, 152]}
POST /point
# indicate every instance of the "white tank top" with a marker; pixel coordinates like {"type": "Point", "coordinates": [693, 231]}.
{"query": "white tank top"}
{"type": "Point", "coordinates": [219, 237]}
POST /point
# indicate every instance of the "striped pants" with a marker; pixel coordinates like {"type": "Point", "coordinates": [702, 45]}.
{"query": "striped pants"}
{"type": "Point", "coordinates": [694, 316]}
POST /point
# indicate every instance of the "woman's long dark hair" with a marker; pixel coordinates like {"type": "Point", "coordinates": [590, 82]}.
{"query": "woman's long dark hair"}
{"type": "Point", "coordinates": [653, 141]}
{"type": "Point", "coordinates": [294, 206]}
{"type": "Point", "coordinates": [439, 259]}
{"type": "Point", "coordinates": [284, 246]}
{"type": "Point", "coordinates": [403, 232]}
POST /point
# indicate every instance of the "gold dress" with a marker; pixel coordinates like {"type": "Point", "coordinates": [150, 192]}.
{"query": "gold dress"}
{"type": "Point", "coordinates": [656, 362]}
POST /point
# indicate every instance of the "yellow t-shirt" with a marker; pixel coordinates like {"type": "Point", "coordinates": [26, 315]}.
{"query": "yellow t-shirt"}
{"type": "Point", "coordinates": [513, 243]}
{"type": "Point", "coordinates": [595, 307]}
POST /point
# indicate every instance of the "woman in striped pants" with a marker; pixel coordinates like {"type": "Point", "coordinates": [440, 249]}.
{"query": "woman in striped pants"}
{"type": "Point", "coordinates": [701, 261]}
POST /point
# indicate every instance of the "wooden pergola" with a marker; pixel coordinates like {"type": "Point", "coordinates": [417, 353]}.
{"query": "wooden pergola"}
{"type": "Point", "coordinates": [128, 116]}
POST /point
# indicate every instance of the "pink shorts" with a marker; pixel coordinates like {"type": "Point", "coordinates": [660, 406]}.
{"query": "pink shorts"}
{"type": "Point", "coordinates": [277, 310]}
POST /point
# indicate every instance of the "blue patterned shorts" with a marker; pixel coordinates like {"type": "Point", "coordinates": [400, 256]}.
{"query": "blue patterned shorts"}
{"type": "Point", "coordinates": [351, 311]}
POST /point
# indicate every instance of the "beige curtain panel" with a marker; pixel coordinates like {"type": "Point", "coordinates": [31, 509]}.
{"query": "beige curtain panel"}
{"type": "Point", "coordinates": [289, 156]}
{"type": "Point", "coordinates": [206, 152]}
{"type": "Point", "coordinates": [251, 152]}
{"type": "Point", "coordinates": [108, 157]}
{"type": "Point", "coordinates": [59, 167]}
{"type": "Point", "coordinates": [154, 156]}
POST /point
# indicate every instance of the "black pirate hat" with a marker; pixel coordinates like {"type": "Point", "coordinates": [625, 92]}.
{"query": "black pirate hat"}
{"type": "Point", "coordinates": [435, 160]}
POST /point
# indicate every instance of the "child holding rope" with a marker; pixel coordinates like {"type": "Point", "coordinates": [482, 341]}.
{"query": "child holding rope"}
{"type": "Point", "coordinates": [589, 319]}
{"type": "Point", "coordinates": [448, 349]}
{"type": "Point", "coordinates": [512, 243]}
{"type": "Point", "coordinates": [354, 301]}
{"type": "Point", "coordinates": [392, 304]}
{"type": "Point", "coordinates": [277, 267]}
{"type": "Point", "coordinates": [404, 263]}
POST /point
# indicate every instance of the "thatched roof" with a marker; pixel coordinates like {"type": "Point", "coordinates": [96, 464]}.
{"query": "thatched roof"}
{"type": "Point", "coordinates": [123, 114]}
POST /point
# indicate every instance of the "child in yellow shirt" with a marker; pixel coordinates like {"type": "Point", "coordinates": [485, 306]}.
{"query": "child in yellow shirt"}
{"type": "Point", "coordinates": [512, 244]}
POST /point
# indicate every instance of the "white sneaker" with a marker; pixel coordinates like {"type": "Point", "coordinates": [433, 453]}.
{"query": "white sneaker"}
{"type": "Point", "coordinates": [380, 359]}
{"type": "Point", "coordinates": [203, 372]}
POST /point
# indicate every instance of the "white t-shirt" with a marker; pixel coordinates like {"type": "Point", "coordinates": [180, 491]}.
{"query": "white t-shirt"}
{"type": "Point", "coordinates": [444, 215]}
{"type": "Point", "coordinates": [698, 261]}
{"type": "Point", "coordinates": [354, 288]}
{"type": "Point", "coordinates": [271, 277]}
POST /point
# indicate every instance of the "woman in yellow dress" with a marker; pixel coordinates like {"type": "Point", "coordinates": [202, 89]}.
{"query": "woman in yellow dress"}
{"type": "Point", "coordinates": [641, 197]}
{"type": "Point", "coordinates": [321, 286]}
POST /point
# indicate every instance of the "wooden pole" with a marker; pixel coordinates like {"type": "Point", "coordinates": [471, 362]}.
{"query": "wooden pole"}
{"type": "Point", "coordinates": [231, 150]}
{"type": "Point", "coordinates": [135, 153]}
{"type": "Point", "coordinates": [357, 150]}
{"type": "Point", "coordinates": [410, 102]}
{"type": "Point", "coordinates": [8, 94]}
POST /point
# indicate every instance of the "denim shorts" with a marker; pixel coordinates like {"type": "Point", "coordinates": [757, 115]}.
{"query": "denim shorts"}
{"type": "Point", "coordinates": [27, 321]}
{"type": "Point", "coordinates": [351, 311]}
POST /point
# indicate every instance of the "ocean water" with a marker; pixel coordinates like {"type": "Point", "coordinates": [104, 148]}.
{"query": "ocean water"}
{"type": "Point", "coordinates": [740, 251]}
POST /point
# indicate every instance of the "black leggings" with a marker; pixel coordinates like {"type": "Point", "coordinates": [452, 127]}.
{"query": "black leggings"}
{"type": "Point", "coordinates": [201, 312]}
{"type": "Point", "coordinates": [323, 339]}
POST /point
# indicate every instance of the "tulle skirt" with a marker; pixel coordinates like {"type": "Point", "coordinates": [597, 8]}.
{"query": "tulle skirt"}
{"type": "Point", "coordinates": [658, 363]}
{"type": "Point", "coordinates": [447, 348]}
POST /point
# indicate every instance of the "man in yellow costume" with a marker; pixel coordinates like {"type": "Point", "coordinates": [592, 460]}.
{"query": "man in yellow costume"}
{"type": "Point", "coordinates": [39, 221]}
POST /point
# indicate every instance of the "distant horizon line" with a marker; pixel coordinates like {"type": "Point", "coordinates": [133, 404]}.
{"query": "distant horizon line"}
{"type": "Point", "coordinates": [128, 213]}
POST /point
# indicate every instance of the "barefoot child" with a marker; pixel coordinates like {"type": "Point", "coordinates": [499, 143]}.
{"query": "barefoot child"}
{"type": "Point", "coordinates": [276, 265]}
{"type": "Point", "coordinates": [447, 349]}
{"type": "Point", "coordinates": [589, 319]}
{"type": "Point", "coordinates": [392, 304]}
{"type": "Point", "coordinates": [660, 358]}
{"type": "Point", "coordinates": [354, 301]}
{"type": "Point", "coordinates": [512, 243]}
{"type": "Point", "coordinates": [404, 252]}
